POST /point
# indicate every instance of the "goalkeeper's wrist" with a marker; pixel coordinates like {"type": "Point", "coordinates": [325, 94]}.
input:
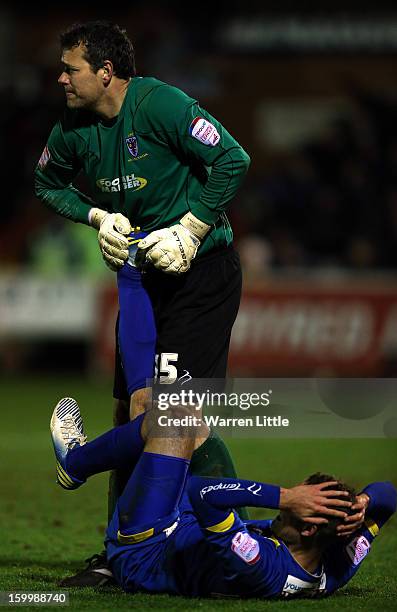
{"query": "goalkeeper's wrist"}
{"type": "Point", "coordinates": [194, 225]}
{"type": "Point", "coordinates": [96, 216]}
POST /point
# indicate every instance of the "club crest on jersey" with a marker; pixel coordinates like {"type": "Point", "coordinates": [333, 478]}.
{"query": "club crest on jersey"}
{"type": "Point", "coordinates": [132, 145]}
{"type": "Point", "coordinates": [204, 131]}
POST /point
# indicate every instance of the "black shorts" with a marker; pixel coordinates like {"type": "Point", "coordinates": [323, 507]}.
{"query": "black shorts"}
{"type": "Point", "coordinates": [194, 316]}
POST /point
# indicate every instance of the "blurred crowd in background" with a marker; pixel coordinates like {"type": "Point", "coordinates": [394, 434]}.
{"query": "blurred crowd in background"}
{"type": "Point", "coordinates": [333, 202]}
{"type": "Point", "coordinates": [326, 199]}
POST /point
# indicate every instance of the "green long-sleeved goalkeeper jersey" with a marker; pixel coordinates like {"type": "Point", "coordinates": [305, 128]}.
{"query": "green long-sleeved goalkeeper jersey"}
{"type": "Point", "coordinates": [160, 157]}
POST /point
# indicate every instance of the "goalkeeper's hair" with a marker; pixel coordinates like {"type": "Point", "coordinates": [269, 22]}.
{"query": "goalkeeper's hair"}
{"type": "Point", "coordinates": [326, 534]}
{"type": "Point", "coordinates": [103, 40]}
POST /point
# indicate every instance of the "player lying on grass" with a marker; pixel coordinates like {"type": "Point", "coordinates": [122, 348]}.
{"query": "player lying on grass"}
{"type": "Point", "coordinates": [176, 533]}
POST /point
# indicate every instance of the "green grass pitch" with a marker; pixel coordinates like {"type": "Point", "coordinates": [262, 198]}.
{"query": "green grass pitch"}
{"type": "Point", "coordinates": [46, 532]}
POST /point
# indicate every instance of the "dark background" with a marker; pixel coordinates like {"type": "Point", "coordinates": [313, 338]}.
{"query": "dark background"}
{"type": "Point", "coordinates": [324, 196]}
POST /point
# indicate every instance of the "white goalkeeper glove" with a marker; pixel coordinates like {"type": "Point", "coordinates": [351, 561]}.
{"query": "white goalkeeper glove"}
{"type": "Point", "coordinates": [113, 229]}
{"type": "Point", "coordinates": [173, 248]}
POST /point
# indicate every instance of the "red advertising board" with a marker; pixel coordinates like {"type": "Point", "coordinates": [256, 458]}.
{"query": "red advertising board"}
{"type": "Point", "coordinates": [287, 328]}
{"type": "Point", "coordinates": [311, 328]}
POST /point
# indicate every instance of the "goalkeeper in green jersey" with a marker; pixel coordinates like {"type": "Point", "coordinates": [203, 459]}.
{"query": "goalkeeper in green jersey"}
{"type": "Point", "coordinates": [154, 159]}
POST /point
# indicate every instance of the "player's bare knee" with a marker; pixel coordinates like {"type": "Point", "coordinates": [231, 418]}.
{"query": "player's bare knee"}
{"type": "Point", "coordinates": [140, 402]}
{"type": "Point", "coordinates": [182, 421]}
{"type": "Point", "coordinates": [172, 432]}
{"type": "Point", "coordinates": [177, 422]}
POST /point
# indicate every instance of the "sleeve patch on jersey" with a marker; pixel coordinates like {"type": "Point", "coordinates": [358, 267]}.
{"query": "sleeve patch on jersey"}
{"type": "Point", "coordinates": [44, 158]}
{"type": "Point", "coordinates": [246, 548]}
{"type": "Point", "coordinates": [357, 549]}
{"type": "Point", "coordinates": [204, 131]}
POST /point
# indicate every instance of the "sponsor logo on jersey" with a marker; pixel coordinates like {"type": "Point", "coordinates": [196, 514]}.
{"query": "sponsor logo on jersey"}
{"type": "Point", "coordinates": [254, 488]}
{"type": "Point", "coordinates": [295, 586]}
{"type": "Point", "coordinates": [171, 528]}
{"type": "Point", "coordinates": [204, 131]}
{"type": "Point", "coordinates": [44, 158]}
{"type": "Point", "coordinates": [130, 181]}
{"type": "Point", "coordinates": [246, 547]}
{"type": "Point", "coordinates": [234, 486]}
{"type": "Point", "coordinates": [132, 145]}
{"type": "Point", "coordinates": [134, 159]}
{"type": "Point", "coordinates": [357, 549]}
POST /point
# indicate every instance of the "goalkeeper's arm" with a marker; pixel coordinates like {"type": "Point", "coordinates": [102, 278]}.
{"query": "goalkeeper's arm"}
{"type": "Point", "coordinates": [58, 166]}
{"type": "Point", "coordinates": [53, 187]}
{"type": "Point", "coordinates": [72, 204]}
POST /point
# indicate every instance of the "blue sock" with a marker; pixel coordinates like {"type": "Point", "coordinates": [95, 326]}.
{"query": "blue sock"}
{"type": "Point", "coordinates": [118, 448]}
{"type": "Point", "coordinates": [136, 330]}
{"type": "Point", "coordinates": [153, 491]}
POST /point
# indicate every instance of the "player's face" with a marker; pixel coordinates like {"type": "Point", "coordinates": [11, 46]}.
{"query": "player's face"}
{"type": "Point", "coordinates": [83, 88]}
{"type": "Point", "coordinates": [285, 526]}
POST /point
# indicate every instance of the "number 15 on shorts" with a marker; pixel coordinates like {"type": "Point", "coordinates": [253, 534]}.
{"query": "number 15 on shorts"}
{"type": "Point", "coordinates": [164, 368]}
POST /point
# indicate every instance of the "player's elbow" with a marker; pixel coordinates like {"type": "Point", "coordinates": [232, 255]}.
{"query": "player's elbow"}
{"type": "Point", "coordinates": [392, 497]}
{"type": "Point", "coordinates": [383, 496]}
{"type": "Point", "coordinates": [39, 193]}
{"type": "Point", "coordinates": [39, 187]}
{"type": "Point", "coordinates": [244, 161]}
{"type": "Point", "coordinates": [388, 501]}
{"type": "Point", "coordinates": [42, 194]}
{"type": "Point", "coordinates": [388, 497]}
{"type": "Point", "coordinates": [48, 195]}
{"type": "Point", "coordinates": [193, 490]}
